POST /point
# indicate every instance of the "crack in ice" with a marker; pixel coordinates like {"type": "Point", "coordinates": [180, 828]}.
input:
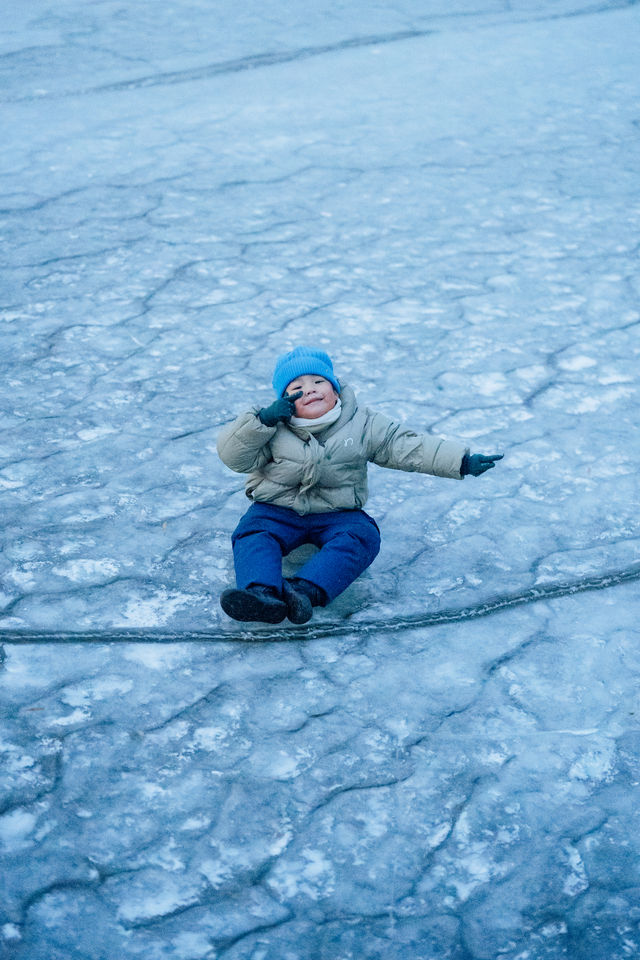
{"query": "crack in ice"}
{"type": "Point", "coordinates": [275, 58]}
{"type": "Point", "coordinates": [541, 593]}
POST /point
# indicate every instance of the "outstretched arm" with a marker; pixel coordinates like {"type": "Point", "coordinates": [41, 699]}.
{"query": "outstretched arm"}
{"type": "Point", "coordinates": [394, 445]}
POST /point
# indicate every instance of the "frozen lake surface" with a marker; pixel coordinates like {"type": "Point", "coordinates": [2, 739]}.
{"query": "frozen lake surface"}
{"type": "Point", "coordinates": [445, 764]}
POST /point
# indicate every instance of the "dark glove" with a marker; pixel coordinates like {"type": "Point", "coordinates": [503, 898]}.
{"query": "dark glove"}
{"type": "Point", "coordinates": [477, 463]}
{"type": "Point", "coordinates": [280, 410]}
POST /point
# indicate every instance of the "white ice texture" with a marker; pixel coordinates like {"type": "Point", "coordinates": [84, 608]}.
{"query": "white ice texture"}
{"type": "Point", "coordinates": [444, 194]}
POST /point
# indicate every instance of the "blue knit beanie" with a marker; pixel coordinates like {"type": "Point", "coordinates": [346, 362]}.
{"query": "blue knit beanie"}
{"type": "Point", "coordinates": [300, 361]}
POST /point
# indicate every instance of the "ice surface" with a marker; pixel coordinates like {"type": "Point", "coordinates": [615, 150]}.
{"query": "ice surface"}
{"type": "Point", "coordinates": [444, 765]}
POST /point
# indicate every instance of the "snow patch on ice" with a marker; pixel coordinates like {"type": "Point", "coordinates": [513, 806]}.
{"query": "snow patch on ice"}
{"type": "Point", "coordinates": [153, 611]}
{"type": "Point", "coordinates": [489, 384]}
{"type": "Point", "coordinates": [577, 881]}
{"type": "Point", "coordinates": [283, 766]}
{"type": "Point", "coordinates": [577, 363]}
{"type": "Point", "coordinates": [193, 944]}
{"type": "Point", "coordinates": [16, 826]}
{"type": "Point", "coordinates": [477, 869]}
{"type": "Point", "coordinates": [95, 433]}
{"type": "Point", "coordinates": [156, 656]}
{"type": "Point", "coordinates": [209, 738]}
{"type": "Point", "coordinates": [78, 716]}
{"type": "Point", "coordinates": [596, 764]}
{"type": "Point", "coordinates": [87, 570]}
{"type": "Point", "coordinates": [196, 823]}
{"type": "Point", "coordinates": [312, 875]}
{"type": "Point", "coordinates": [215, 872]}
{"type": "Point", "coordinates": [159, 897]}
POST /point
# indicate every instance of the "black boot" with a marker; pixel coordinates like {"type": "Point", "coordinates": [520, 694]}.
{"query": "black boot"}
{"type": "Point", "coordinates": [301, 596]}
{"type": "Point", "coordinates": [299, 608]}
{"type": "Point", "coordinates": [256, 603]}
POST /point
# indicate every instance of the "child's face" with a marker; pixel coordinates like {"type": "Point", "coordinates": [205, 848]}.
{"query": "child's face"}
{"type": "Point", "coordinates": [318, 396]}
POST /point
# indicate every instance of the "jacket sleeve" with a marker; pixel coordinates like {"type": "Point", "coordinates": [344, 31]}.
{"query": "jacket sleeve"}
{"type": "Point", "coordinates": [394, 445]}
{"type": "Point", "coordinates": [243, 444]}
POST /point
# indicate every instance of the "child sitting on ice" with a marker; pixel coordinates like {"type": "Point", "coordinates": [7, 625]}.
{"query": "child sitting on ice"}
{"type": "Point", "coordinates": [306, 455]}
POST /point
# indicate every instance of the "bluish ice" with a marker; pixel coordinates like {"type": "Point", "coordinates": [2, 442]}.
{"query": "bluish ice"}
{"type": "Point", "coordinates": [445, 764]}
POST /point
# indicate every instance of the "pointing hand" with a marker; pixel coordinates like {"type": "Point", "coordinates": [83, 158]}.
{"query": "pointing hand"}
{"type": "Point", "coordinates": [477, 463]}
{"type": "Point", "coordinates": [280, 411]}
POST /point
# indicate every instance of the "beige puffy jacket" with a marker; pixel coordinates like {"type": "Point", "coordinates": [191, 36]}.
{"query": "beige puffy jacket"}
{"type": "Point", "coordinates": [290, 467]}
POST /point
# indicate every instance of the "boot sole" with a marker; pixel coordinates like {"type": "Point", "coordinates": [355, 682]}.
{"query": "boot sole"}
{"type": "Point", "coordinates": [245, 606]}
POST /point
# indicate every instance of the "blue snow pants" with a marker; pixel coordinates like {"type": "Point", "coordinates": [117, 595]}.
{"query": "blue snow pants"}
{"type": "Point", "coordinates": [348, 541]}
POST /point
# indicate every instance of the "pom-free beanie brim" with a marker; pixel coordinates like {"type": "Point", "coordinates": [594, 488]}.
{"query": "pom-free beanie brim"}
{"type": "Point", "coordinates": [299, 362]}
